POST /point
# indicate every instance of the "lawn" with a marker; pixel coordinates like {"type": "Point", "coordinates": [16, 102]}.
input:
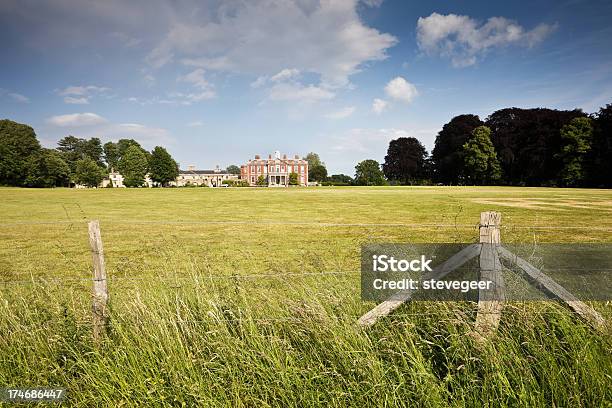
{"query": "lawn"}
{"type": "Point", "coordinates": [249, 297]}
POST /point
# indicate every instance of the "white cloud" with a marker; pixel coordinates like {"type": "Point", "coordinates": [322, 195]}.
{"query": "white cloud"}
{"type": "Point", "coordinates": [342, 113]}
{"type": "Point", "coordinates": [81, 95]}
{"type": "Point", "coordinates": [19, 97]}
{"type": "Point", "coordinates": [76, 120]}
{"type": "Point", "coordinates": [261, 37]}
{"type": "Point", "coordinates": [196, 78]}
{"type": "Point", "coordinates": [285, 74]}
{"type": "Point", "coordinates": [197, 123]}
{"type": "Point", "coordinates": [296, 92]}
{"type": "Point", "coordinates": [82, 90]}
{"type": "Point", "coordinates": [379, 106]}
{"type": "Point", "coordinates": [463, 41]}
{"type": "Point", "coordinates": [76, 100]}
{"type": "Point", "coordinates": [259, 82]}
{"type": "Point", "coordinates": [400, 89]}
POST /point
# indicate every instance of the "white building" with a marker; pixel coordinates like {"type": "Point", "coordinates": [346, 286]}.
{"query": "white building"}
{"type": "Point", "coordinates": [208, 178]}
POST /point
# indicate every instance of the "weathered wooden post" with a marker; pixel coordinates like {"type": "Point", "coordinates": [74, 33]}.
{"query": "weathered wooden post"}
{"type": "Point", "coordinates": [490, 301]}
{"type": "Point", "coordinates": [100, 289]}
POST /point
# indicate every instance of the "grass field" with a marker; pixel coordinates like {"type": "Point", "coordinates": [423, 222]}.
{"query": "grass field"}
{"type": "Point", "coordinates": [249, 297]}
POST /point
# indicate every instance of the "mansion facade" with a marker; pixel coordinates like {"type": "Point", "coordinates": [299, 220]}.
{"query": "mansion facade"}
{"type": "Point", "coordinates": [275, 170]}
{"type": "Point", "coordinates": [208, 178]}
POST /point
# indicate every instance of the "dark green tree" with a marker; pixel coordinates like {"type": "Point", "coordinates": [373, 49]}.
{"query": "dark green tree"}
{"type": "Point", "coordinates": [162, 167]}
{"type": "Point", "coordinates": [233, 169]}
{"type": "Point", "coordinates": [318, 172]}
{"type": "Point", "coordinates": [111, 155]}
{"type": "Point", "coordinates": [133, 166]}
{"type": "Point", "coordinates": [447, 159]}
{"type": "Point", "coordinates": [261, 181]}
{"type": "Point", "coordinates": [293, 179]}
{"type": "Point", "coordinates": [528, 143]}
{"type": "Point", "coordinates": [340, 180]}
{"type": "Point", "coordinates": [599, 159]}
{"type": "Point", "coordinates": [47, 169]}
{"type": "Point", "coordinates": [88, 172]}
{"type": "Point", "coordinates": [576, 138]}
{"type": "Point", "coordinates": [368, 173]}
{"type": "Point", "coordinates": [405, 160]}
{"type": "Point", "coordinates": [480, 159]}
{"type": "Point", "coordinates": [73, 149]}
{"type": "Point", "coordinates": [17, 143]}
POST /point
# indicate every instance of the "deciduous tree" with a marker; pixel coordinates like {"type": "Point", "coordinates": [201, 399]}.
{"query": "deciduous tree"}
{"type": "Point", "coordinates": [576, 138]}
{"type": "Point", "coordinates": [447, 154]}
{"type": "Point", "coordinates": [480, 159]}
{"type": "Point", "coordinates": [233, 169]}
{"type": "Point", "coordinates": [133, 167]}
{"type": "Point", "coordinates": [368, 173]}
{"type": "Point", "coordinates": [405, 160]}
{"type": "Point", "coordinates": [46, 168]}
{"type": "Point", "coordinates": [163, 168]}
{"type": "Point", "coordinates": [88, 172]}
{"type": "Point", "coordinates": [17, 143]}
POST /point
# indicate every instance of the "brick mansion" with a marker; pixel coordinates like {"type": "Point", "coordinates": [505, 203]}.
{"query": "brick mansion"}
{"type": "Point", "coordinates": [275, 170]}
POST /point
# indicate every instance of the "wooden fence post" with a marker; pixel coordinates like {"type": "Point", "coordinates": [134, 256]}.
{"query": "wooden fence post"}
{"type": "Point", "coordinates": [100, 290]}
{"type": "Point", "coordinates": [490, 301]}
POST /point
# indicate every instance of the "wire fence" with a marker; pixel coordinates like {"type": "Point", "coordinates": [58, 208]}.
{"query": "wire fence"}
{"type": "Point", "coordinates": [305, 223]}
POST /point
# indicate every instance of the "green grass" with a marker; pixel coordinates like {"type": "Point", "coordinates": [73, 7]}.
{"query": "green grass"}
{"type": "Point", "coordinates": [218, 299]}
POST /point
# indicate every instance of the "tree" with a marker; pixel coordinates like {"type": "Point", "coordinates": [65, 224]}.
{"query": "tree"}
{"type": "Point", "coordinates": [88, 172]}
{"type": "Point", "coordinates": [317, 172]}
{"type": "Point", "coordinates": [233, 169]}
{"type": "Point", "coordinates": [528, 143]}
{"type": "Point", "coordinates": [340, 180]}
{"type": "Point", "coordinates": [133, 166]}
{"type": "Point", "coordinates": [480, 159]}
{"type": "Point", "coordinates": [405, 160]}
{"type": "Point", "coordinates": [368, 173]}
{"type": "Point", "coordinates": [46, 168]}
{"type": "Point", "coordinates": [293, 179]}
{"type": "Point", "coordinates": [447, 159]}
{"type": "Point", "coordinates": [111, 155]}
{"type": "Point", "coordinates": [73, 149]}
{"type": "Point", "coordinates": [598, 162]}
{"type": "Point", "coordinates": [577, 137]}
{"type": "Point", "coordinates": [261, 180]}
{"type": "Point", "coordinates": [313, 159]}
{"type": "Point", "coordinates": [163, 168]}
{"type": "Point", "coordinates": [17, 143]}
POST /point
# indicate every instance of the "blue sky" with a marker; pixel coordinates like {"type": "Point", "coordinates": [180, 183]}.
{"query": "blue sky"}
{"type": "Point", "coordinates": [217, 82]}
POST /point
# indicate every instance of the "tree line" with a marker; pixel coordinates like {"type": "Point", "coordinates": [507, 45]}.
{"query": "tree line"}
{"type": "Point", "coordinates": [23, 162]}
{"type": "Point", "coordinates": [513, 146]}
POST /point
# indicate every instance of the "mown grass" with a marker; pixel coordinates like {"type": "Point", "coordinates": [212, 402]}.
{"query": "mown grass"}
{"type": "Point", "coordinates": [240, 297]}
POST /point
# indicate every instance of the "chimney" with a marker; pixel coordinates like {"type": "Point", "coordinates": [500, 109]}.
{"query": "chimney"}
{"type": "Point", "coordinates": [257, 157]}
{"type": "Point", "coordinates": [296, 157]}
{"type": "Point", "coordinates": [277, 155]}
{"type": "Point", "coordinates": [284, 157]}
{"type": "Point", "coordinates": [269, 156]}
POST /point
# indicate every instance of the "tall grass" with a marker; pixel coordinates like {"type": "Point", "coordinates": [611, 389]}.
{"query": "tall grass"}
{"type": "Point", "coordinates": [237, 344]}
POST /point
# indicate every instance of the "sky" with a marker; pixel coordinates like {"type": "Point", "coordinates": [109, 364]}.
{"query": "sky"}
{"type": "Point", "coordinates": [217, 82]}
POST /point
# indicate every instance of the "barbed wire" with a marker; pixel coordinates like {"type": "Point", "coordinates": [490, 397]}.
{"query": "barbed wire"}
{"type": "Point", "coordinates": [195, 278]}
{"type": "Point", "coordinates": [314, 224]}
{"type": "Point", "coordinates": [219, 317]}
